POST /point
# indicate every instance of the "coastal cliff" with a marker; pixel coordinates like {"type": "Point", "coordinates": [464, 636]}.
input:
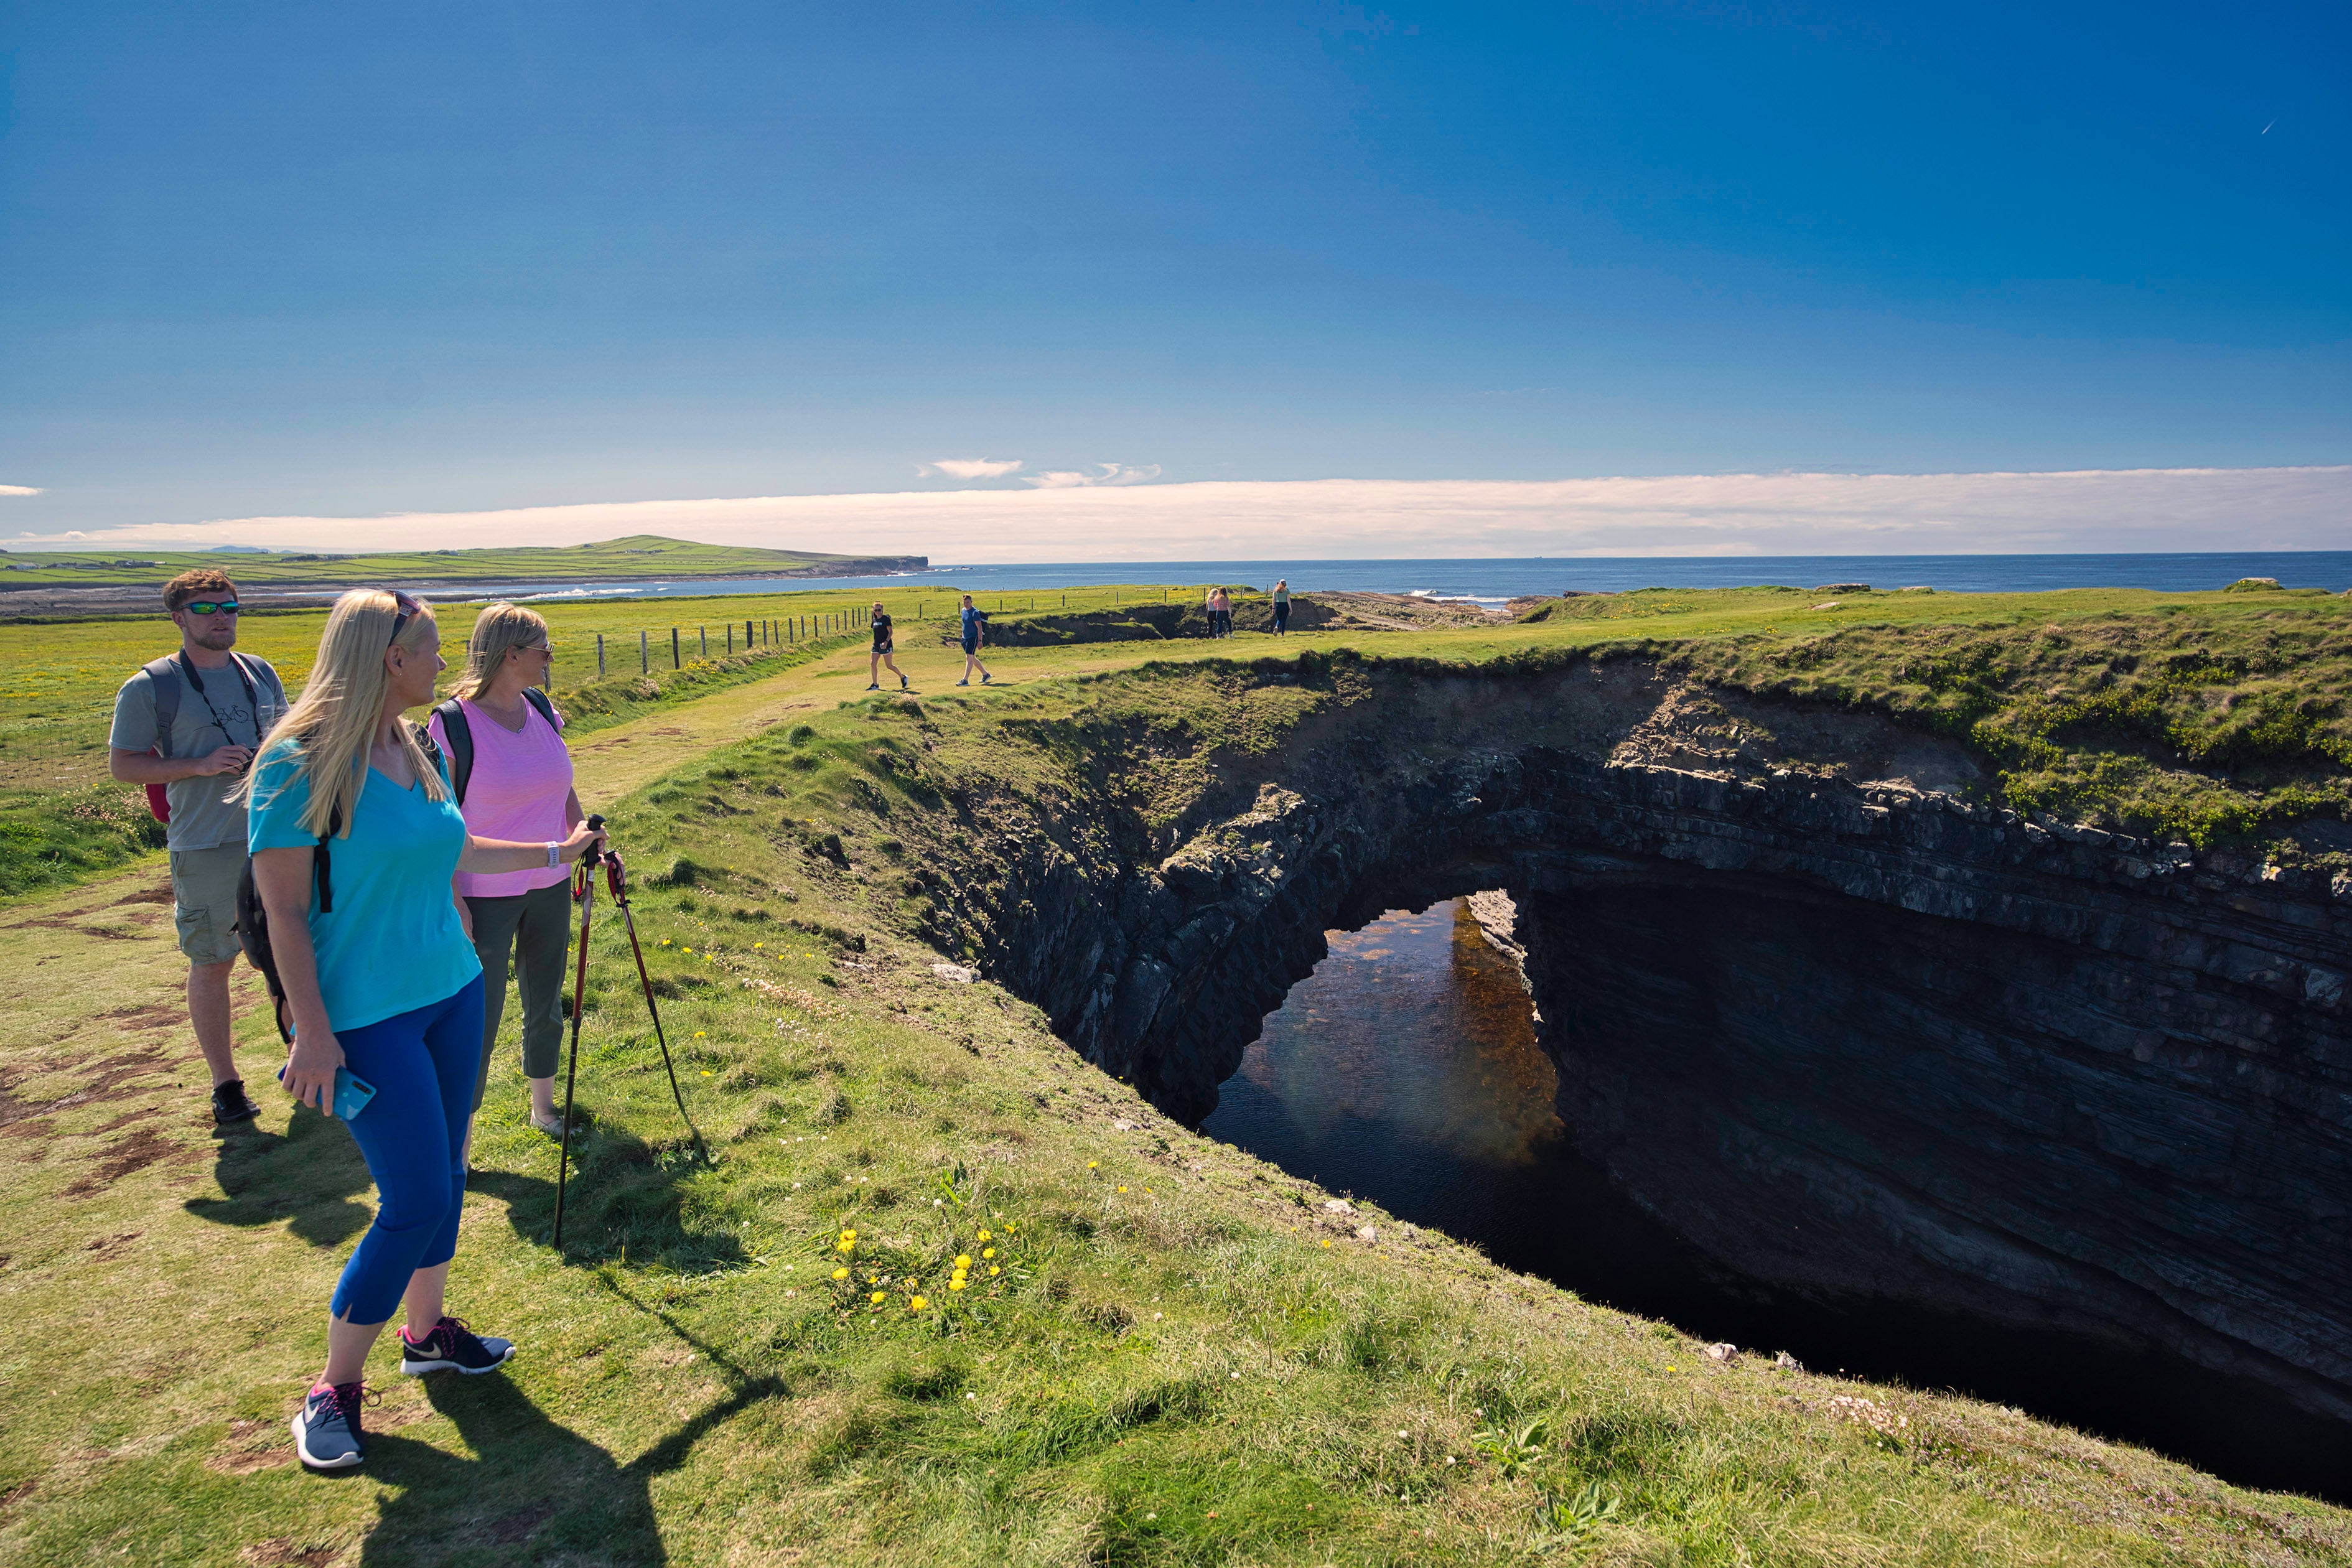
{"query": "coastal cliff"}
{"type": "Point", "coordinates": [1849, 1031]}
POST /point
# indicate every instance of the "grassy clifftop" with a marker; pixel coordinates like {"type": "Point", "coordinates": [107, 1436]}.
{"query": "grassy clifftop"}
{"type": "Point", "coordinates": [1162, 1350]}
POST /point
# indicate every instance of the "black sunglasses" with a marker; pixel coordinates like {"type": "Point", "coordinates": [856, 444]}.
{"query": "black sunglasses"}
{"type": "Point", "coordinates": [211, 607]}
{"type": "Point", "coordinates": [408, 608]}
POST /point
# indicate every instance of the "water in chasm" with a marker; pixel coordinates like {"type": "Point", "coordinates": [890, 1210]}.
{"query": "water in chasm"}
{"type": "Point", "coordinates": [1405, 1070]}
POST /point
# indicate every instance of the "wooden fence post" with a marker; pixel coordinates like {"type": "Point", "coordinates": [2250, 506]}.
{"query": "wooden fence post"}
{"type": "Point", "coordinates": [600, 655]}
{"type": "Point", "coordinates": [645, 664]}
{"type": "Point", "coordinates": [674, 662]}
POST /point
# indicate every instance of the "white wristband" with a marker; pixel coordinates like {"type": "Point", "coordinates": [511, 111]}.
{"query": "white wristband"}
{"type": "Point", "coordinates": [554, 853]}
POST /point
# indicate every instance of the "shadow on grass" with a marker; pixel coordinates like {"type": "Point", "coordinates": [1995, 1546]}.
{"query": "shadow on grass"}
{"type": "Point", "coordinates": [626, 1202]}
{"type": "Point", "coordinates": [538, 1490]}
{"type": "Point", "coordinates": [313, 1172]}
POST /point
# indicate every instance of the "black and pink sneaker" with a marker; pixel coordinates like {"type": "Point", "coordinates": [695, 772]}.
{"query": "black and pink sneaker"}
{"type": "Point", "coordinates": [327, 1429]}
{"type": "Point", "coordinates": [452, 1347]}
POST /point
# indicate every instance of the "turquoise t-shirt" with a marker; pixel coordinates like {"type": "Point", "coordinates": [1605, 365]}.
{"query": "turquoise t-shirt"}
{"type": "Point", "coordinates": [392, 942]}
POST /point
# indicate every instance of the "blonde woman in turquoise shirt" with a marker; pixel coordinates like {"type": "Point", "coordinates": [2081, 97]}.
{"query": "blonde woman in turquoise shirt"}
{"type": "Point", "coordinates": [385, 983]}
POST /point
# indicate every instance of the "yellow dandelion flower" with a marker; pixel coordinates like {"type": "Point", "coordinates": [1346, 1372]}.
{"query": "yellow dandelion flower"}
{"type": "Point", "coordinates": [963, 1260]}
{"type": "Point", "coordinates": [988, 1252]}
{"type": "Point", "coordinates": [1327, 1244]}
{"type": "Point", "coordinates": [841, 1274]}
{"type": "Point", "coordinates": [1008, 1227]}
{"type": "Point", "coordinates": [1147, 1192]}
{"type": "Point", "coordinates": [916, 1305]}
{"type": "Point", "coordinates": [983, 1236]}
{"type": "Point", "coordinates": [844, 1245]}
{"type": "Point", "coordinates": [956, 1283]}
{"type": "Point", "coordinates": [993, 1269]}
{"type": "Point", "coordinates": [1093, 1164]}
{"type": "Point", "coordinates": [698, 1034]}
{"type": "Point", "coordinates": [706, 1072]}
{"type": "Point", "coordinates": [758, 944]}
{"type": "Point", "coordinates": [685, 950]}
{"type": "Point", "coordinates": [1122, 1189]}
{"type": "Point", "coordinates": [876, 1298]}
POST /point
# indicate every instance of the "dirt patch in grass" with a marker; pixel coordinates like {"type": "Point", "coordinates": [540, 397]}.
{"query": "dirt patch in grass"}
{"type": "Point", "coordinates": [147, 1016]}
{"type": "Point", "coordinates": [513, 1529]}
{"type": "Point", "coordinates": [134, 1153]}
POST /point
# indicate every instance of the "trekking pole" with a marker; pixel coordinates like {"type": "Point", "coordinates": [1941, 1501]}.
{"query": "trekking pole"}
{"type": "Point", "coordinates": [583, 892]}
{"type": "Point", "coordinates": [616, 878]}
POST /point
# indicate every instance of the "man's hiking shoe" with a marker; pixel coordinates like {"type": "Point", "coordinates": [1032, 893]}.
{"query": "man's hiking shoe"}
{"type": "Point", "coordinates": [902, 683]}
{"type": "Point", "coordinates": [876, 686]}
{"type": "Point", "coordinates": [230, 1104]}
{"type": "Point", "coordinates": [326, 1428]}
{"type": "Point", "coordinates": [452, 1347]}
{"type": "Point", "coordinates": [966, 682]}
{"type": "Point", "coordinates": [986, 678]}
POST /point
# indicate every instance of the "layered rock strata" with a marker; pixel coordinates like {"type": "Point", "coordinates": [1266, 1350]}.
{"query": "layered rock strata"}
{"type": "Point", "coordinates": [1846, 1031]}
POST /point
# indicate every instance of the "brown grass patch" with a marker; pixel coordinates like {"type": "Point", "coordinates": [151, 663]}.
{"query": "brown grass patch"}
{"type": "Point", "coordinates": [134, 1153]}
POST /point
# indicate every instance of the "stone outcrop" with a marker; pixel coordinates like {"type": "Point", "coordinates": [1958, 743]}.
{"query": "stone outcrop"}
{"type": "Point", "coordinates": [1850, 1034]}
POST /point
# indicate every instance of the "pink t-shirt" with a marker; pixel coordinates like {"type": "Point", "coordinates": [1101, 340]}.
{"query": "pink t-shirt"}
{"type": "Point", "coordinates": [516, 791]}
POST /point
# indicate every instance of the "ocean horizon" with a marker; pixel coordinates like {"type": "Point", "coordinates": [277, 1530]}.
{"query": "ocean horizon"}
{"type": "Point", "coordinates": [1495, 579]}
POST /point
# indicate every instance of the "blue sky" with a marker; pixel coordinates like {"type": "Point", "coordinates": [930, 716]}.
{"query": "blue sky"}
{"type": "Point", "coordinates": [325, 261]}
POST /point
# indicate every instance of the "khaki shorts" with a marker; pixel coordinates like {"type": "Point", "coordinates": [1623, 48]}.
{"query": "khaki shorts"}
{"type": "Point", "coordinates": [203, 889]}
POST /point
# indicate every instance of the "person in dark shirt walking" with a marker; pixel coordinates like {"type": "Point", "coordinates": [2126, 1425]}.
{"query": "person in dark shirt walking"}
{"type": "Point", "coordinates": [881, 621]}
{"type": "Point", "coordinates": [975, 625]}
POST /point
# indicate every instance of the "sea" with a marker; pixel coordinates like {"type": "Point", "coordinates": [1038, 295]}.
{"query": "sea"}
{"type": "Point", "coordinates": [1498, 580]}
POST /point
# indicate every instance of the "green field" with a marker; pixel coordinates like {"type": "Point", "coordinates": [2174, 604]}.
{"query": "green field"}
{"type": "Point", "coordinates": [58, 676]}
{"type": "Point", "coordinates": [1185, 1359]}
{"type": "Point", "coordinates": [638, 555]}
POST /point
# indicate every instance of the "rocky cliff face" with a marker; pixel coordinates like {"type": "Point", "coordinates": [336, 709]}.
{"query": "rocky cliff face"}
{"type": "Point", "coordinates": [1849, 1033]}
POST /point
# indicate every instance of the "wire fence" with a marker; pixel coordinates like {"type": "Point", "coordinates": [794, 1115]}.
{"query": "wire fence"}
{"type": "Point", "coordinates": [57, 696]}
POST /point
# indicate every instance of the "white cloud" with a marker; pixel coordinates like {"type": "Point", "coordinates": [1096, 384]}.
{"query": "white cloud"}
{"type": "Point", "coordinates": [968, 467]}
{"type": "Point", "coordinates": [1250, 520]}
{"type": "Point", "coordinates": [1112, 474]}
{"type": "Point", "coordinates": [20, 489]}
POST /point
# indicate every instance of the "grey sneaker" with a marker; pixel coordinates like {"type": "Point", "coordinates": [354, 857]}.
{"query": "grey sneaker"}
{"type": "Point", "coordinates": [327, 1429]}
{"type": "Point", "coordinates": [452, 1347]}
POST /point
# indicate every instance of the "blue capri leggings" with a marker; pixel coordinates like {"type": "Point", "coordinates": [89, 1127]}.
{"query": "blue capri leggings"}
{"type": "Point", "coordinates": [423, 1064]}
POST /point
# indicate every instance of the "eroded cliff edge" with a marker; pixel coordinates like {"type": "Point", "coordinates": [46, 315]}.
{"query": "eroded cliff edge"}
{"type": "Point", "coordinates": [1849, 1033]}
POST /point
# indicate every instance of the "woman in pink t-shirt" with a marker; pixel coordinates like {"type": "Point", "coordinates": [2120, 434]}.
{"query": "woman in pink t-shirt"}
{"type": "Point", "coordinates": [519, 788]}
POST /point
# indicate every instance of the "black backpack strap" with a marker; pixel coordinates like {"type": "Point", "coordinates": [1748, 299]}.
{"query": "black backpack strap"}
{"type": "Point", "coordinates": [433, 757]}
{"type": "Point", "coordinates": [454, 724]}
{"type": "Point", "coordinates": [164, 675]}
{"type": "Point", "coordinates": [538, 700]}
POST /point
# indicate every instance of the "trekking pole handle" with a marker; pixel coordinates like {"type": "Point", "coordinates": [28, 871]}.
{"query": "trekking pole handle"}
{"type": "Point", "coordinates": [595, 825]}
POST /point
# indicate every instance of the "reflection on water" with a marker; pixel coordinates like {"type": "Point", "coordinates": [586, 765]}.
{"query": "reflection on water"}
{"type": "Point", "coordinates": [1473, 1087]}
{"type": "Point", "coordinates": [1405, 1070]}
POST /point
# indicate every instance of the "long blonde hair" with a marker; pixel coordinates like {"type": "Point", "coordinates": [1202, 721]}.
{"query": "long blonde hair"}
{"type": "Point", "coordinates": [332, 723]}
{"type": "Point", "coordinates": [499, 627]}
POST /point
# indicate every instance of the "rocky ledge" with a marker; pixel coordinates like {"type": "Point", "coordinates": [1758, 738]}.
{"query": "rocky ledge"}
{"type": "Point", "coordinates": [1851, 1035]}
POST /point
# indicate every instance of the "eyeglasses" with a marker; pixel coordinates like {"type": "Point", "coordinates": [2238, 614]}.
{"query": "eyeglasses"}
{"type": "Point", "coordinates": [408, 609]}
{"type": "Point", "coordinates": [211, 607]}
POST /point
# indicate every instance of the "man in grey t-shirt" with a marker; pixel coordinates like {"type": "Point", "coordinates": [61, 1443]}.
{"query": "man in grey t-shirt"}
{"type": "Point", "coordinates": [220, 705]}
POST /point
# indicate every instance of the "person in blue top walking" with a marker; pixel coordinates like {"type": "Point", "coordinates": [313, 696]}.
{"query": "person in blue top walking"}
{"type": "Point", "coordinates": [386, 984]}
{"type": "Point", "coordinates": [975, 627]}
